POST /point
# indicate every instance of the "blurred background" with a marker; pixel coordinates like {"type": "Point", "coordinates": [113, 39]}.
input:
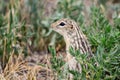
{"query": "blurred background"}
{"type": "Point", "coordinates": [25, 24]}
{"type": "Point", "coordinates": [28, 21]}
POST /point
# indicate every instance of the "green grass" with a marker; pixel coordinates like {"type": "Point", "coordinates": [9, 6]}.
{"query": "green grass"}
{"type": "Point", "coordinates": [20, 29]}
{"type": "Point", "coordinates": [105, 42]}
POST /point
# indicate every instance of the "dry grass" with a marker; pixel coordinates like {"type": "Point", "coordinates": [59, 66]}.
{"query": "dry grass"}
{"type": "Point", "coordinates": [18, 68]}
{"type": "Point", "coordinates": [25, 34]}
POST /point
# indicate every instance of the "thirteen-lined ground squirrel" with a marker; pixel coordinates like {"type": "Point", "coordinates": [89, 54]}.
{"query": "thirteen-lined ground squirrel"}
{"type": "Point", "coordinates": [73, 37]}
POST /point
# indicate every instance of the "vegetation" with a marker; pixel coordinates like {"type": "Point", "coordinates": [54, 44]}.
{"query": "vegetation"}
{"type": "Point", "coordinates": [25, 29]}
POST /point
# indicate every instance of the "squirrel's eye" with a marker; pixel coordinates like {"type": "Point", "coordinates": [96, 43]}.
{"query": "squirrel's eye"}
{"type": "Point", "coordinates": [62, 24]}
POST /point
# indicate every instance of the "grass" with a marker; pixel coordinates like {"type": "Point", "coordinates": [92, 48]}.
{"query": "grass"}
{"type": "Point", "coordinates": [26, 31]}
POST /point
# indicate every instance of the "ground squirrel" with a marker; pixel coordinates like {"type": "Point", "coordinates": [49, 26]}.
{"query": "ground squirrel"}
{"type": "Point", "coordinates": [73, 37]}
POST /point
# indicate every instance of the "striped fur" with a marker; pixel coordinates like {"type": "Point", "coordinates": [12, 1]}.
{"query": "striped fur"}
{"type": "Point", "coordinates": [74, 36]}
